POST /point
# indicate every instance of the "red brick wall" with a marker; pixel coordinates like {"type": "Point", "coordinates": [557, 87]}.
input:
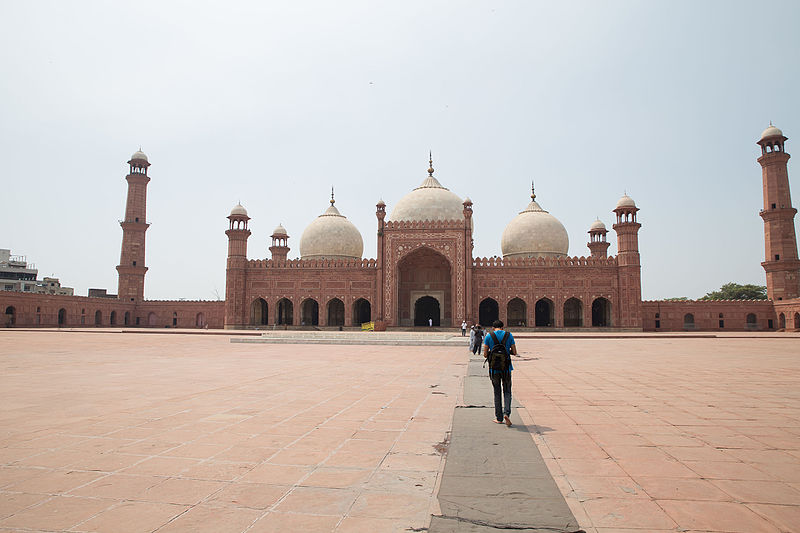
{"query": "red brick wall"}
{"type": "Point", "coordinates": [706, 315]}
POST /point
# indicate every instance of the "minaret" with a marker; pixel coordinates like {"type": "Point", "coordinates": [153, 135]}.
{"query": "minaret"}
{"type": "Point", "coordinates": [280, 244]}
{"type": "Point", "coordinates": [131, 268]}
{"type": "Point", "coordinates": [780, 243]}
{"type": "Point", "coordinates": [628, 265]}
{"type": "Point", "coordinates": [236, 273]}
{"type": "Point", "coordinates": [598, 244]}
{"type": "Point", "coordinates": [380, 214]}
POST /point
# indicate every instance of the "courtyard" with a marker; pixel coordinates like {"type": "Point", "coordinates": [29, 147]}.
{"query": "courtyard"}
{"type": "Point", "coordinates": [109, 431]}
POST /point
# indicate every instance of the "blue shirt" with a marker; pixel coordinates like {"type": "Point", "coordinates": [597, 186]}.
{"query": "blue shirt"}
{"type": "Point", "coordinates": [501, 336]}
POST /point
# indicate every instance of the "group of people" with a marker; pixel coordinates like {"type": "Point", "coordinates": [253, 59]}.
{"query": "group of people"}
{"type": "Point", "coordinates": [480, 339]}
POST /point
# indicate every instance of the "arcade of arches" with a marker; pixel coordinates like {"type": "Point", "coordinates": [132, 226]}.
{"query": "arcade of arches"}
{"type": "Point", "coordinates": [544, 313]}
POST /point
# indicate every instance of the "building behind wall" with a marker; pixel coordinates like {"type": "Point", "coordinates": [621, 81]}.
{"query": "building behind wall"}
{"type": "Point", "coordinates": [425, 271]}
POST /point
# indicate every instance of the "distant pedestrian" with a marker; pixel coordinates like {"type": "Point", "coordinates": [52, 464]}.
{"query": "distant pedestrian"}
{"type": "Point", "coordinates": [478, 339]}
{"type": "Point", "coordinates": [498, 346]}
{"type": "Point", "coordinates": [463, 328]}
{"type": "Point", "coordinates": [472, 339]}
{"type": "Point", "coordinates": [430, 322]}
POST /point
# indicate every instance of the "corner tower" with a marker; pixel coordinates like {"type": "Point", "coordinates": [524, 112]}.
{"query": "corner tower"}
{"type": "Point", "coordinates": [236, 272]}
{"type": "Point", "coordinates": [628, 264]}
{"type": "Point", "coordinates": [780, 243]}
{"type": "Point", "coordinates": [131, 268]}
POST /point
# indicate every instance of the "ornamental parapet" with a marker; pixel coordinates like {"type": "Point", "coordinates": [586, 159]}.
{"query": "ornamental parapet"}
{"type": "Point", "coordinates": [531, 262]}
{"type": "Point", "coordinates": [424, 224]}
{"type": "Point", "coordinates": [303, 264]}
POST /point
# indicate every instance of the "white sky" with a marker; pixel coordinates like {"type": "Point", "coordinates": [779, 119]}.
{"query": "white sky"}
{"type": "Point", "coordinates": [272, 103]}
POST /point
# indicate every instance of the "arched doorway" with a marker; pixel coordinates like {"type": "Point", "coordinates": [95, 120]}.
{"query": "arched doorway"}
{"type": "Point", "coordinates": [127, 318]}
{"type": "Point", "coordinates": [284, 312]}
{"type": "Point", "coordinates": [258, 312]}
{"type": "Point", "coordinates": [573, 313]}
{"type": "Point", "coordinates": [781, 321]}
{"type": "Point", "coordinates": [113, 318]}
{"type": "Point", "coordinates": [174, 319]}
{"type": "Point", "coordinates": [424, 272]}
{"type": "Point", "coordinates": [362, 311]}
{"type": "Point", "coordinates": [544, 313]}
{"type": "Point", "coordinates": [200, 320]}
{"type": "Point", "coordinates": [751, 322]}
{"type": "Point", "coordinates": [688, 321]}
{"type": "Point", "coordinates": [11, 316]}
{"type": "Point", "coordinates": [516, 312]}
{"type": "Point", "coordinates": [797, 321]}
{"type": "Point", "coordinates": [152, 319]}
{"type": "Point", "coordinates": [98, 318]}
{"type": "Point", "coordinates": [336, 312]}
{"type": "Point", "coordinates": [62, 317]}
{"type": "Point", "coordinates": [426, 308]}
{"type": "Point", "coordinates": [488, 312]}
{"type": "Point", "coordinates": [309, 312]}
{"type": "Point", "coordinates": [601, 313]}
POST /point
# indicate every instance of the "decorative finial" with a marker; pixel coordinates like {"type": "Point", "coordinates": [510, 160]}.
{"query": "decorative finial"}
{"type": "Point", "coordinates": [430, 163]}
{"type": "Point", "coordinates": [770, 123]}
{"type": "Point", "coordinates": [533, 194]}
{"type": "Point", "coordinates": [332, 200]}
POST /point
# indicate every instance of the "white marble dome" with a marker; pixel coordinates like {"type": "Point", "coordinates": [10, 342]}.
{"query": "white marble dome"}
{"type": "Point", "coordinates": [626, 201]}
{"type": "Point", "coordinates": [771, 131]}
{"type": "Point", "coordinates": [331, 236]}
{"type": "Point", "coordinates": [138, 155]}
{"type": "Point", "coordinates": [238, 210]}
{"type": "Point", "coordinates": [280, 230]}
{"type": "Point", "coordinates": [429, 201]}
{"type": "Point", "coordinates": [534, 233]}
{"type": "Point", "coordinates": [597, 225]}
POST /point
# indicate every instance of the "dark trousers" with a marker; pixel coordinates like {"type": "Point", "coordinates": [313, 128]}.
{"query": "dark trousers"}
{"type": "Point", "coordinates": [501, 380]}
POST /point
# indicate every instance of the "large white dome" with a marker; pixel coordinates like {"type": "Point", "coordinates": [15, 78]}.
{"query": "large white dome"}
{"type": "Point", "coordinates": [331, 236]}
{"type": "Point", "coordinates": [534, 233]}
{"type": "Point", "coordinates": [771, 131]}
{"type": "Point", "coordinates": [429, 201]}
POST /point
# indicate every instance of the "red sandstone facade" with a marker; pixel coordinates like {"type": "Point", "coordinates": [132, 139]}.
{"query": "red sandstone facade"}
{"type": "Point", "coordinates": [426, 271]}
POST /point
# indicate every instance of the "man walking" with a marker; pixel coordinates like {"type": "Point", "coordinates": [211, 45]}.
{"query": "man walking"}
{"type": "Point", "coordinates": [463, 328]}
{"type": "Point", "coordinates": [495, 343]}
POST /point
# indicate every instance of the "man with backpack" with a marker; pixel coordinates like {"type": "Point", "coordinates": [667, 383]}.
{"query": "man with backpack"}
{"type": "Point", "coordinates": [498, 347]}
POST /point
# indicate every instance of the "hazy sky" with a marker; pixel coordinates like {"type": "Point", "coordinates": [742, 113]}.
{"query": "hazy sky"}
{"type": "Point", "coordinates": [272, 103]}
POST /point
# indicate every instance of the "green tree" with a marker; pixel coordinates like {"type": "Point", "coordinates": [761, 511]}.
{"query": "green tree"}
{"type": "Point", "coordinates": [676, 299]}
{"type": "Point", "coordinates": [735, 291]}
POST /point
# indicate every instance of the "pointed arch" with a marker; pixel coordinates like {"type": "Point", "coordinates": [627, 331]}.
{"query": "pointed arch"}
{"type": "Point", "coordinates": [284, 312]}
{"type": "Point", "coordinates": [573, 313]}
{"type": "Point", "coordinates": [517, 312]}
{"type": "Point", "coordinates": [601, 313]}
{"type": "Point", "coordinates": [309, 312]}
{"type": "Point", "coordinates": [259, 315]}
{"type": "Point", "coordinates": [335, 312]}
{"type": "Point", "coordinates": [488, 311]}
{"type": "Point", "coordinates": [362, 311]}
{"type": "Point", "coordinates": [544, 313]}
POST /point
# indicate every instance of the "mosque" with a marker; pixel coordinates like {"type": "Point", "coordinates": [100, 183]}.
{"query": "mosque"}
{"type": "Point", "coordinates": [425, 272]}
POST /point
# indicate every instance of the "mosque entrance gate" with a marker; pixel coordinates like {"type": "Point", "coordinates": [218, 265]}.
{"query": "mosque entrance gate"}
{"type": "Point", "coordinates": [427, 305]}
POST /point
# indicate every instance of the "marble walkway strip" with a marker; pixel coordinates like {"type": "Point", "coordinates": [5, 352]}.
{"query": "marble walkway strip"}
{"type": "Point", "coordinates": [495, 478]}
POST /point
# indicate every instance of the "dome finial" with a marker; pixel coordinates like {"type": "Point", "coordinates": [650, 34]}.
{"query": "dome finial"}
{"type": "Point", "coordinates": [430, 163]}
{"type": "Point", "coordinates": [533, 194]}
{"type": "Point", "coordinates": [332, 199]}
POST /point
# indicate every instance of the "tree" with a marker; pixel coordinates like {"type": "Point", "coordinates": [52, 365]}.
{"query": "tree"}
{"type": "Point", "coordinates": [735, 291]}
{"type": "Point", "coordinates": [676, 299]}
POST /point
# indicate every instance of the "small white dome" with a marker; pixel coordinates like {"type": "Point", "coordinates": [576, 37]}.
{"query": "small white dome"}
{"type": "Point", "coordinates": [771, 131]}
{"type": "Point", "coordinates": [238, 210]}
{"type": "Point", "coordinates": [597, 224]}
{"type": "Point", "coordinates": [331, 236]}
{"type": "Point", "coordinates": [534, 233]}
{"type": "Point", "coordinates": [138, 155]}
{"type": "Point", "coordinates": [280, 230]}
{"type": "Point", "coordinates": [429, 201]}
{"type": "Point", "coordinates": [626, 201]}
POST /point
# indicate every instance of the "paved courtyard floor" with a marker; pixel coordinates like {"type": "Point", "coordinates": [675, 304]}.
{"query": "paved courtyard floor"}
{"type": "Point", "coordinates": [129, 432]}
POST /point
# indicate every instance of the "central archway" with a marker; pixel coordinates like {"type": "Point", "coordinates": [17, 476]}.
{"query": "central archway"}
{"type": "Point", "coordinates": [424, 272]}
{"type": "Point", "coordinates": [544, 313]}
{"type": "Point", "coordinates": [426, 308]}
{"type": "Point", "coordinates": [336, 312]}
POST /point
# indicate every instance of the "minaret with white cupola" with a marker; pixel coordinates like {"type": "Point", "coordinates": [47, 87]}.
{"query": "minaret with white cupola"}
{"type": "Point", "coordinates": [131, 268]}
